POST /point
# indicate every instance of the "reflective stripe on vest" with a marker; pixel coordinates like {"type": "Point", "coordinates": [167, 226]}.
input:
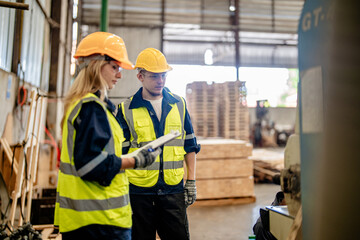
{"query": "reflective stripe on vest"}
{"type": "Point", "coordinates": [80, 202]}
{"type": "Point", "coordinates": [82, 205]}
{"type": "Point", "coordinates": [142, 132]}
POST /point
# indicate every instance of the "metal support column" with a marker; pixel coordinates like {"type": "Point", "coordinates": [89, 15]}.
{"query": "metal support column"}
{"type": "Point", "coordinates": [104, 16]}
{"type": "Point", "coordinates": [237, 39]}
{"type": "Point", "coordinates": [162, 25]}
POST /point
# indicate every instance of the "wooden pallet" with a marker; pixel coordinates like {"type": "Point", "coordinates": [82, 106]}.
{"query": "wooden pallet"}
{"type": "Point", "coordinates": [234, 115]}
{"type": "Point", "coordinates": [219, 109]}
{"type": "Point", "coordinates": [203, 108]}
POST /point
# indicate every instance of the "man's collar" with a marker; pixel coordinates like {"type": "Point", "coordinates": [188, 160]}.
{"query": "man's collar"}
{"type": "Point", "coordinates": [138, 101]}
{"type": "Point", "coordinates": [168, 96]}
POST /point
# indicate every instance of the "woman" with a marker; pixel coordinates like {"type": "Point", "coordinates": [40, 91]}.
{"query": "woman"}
{"type": "Point", "coordinates": [93, 192]}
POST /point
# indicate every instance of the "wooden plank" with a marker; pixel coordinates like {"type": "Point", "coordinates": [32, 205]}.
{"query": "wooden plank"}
{"type": "Point", "coordinates": [45, 233]}
{"type": "Point", "coordinates": [58, 237]}
{"type": "Point", "coordinates": [43, 226]}
{"type": "Point", "coordinates": [46, 173]}
{"type": "Point", "coordinates": [30, 155]}
{"type": "Point", "coordinates": [35, 156]}
{"type": "Point", "coordinates": [48, 231]}
{"type": "Point", "coordinates": [7, 168]}
{"type": "Point", "coordinates": [8, 128]}
{"type": "Point", "coordinates": [223, 148]}
{"type": "Point", "coordinates": [225, 188]}
{"type": "Point", "coordinates": [265, 171]}
{"type": "Point", "coordinates": [9, 154]}
{"type": "Point", "coordinates": [224, 168]}
{"type": "Point", "coordinates": [224, 201]}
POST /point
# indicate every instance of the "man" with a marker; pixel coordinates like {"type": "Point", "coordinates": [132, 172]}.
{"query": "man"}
{"type": "Point", "coordinates": [157, 193]}
{"type": "Point", "coordinates": [261, 227]}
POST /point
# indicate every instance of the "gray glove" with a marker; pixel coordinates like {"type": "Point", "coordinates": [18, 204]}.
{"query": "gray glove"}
{"type": "Point", "coordinates": [146, 157]}
{"type": "Point", "coordinates": [189, 192]}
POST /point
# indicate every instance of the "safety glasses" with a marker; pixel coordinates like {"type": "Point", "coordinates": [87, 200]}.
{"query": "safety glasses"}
{"type": "Point", "coordinates": [115, 67]}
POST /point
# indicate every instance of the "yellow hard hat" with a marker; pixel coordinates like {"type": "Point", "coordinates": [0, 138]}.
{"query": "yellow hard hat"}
{"type": "Point", "coordinates": [152, 60]}
{"type": "Point", "coordinates": [104, 43]}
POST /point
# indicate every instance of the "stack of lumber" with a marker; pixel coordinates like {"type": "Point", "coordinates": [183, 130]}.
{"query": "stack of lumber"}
{"type": "Point", "coordinates": [219, 109]}
{"type": "Point", "coordinates": [224, 172]}
{"type": "Point", "coordinates": [268, 162]}
{"type": "Point", "coordinates": [202, 102]}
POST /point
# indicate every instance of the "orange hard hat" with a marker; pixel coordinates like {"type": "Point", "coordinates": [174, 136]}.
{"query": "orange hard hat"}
{"type": "Point", "coordinates": [104, 43]}
{"type": "Point", "coordinates": [152, 60]}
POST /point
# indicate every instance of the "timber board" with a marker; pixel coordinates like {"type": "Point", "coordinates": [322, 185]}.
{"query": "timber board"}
{"type": "Point", "coordinates": [223, 148]}
{"type": "Point", "coordinates": [223, 168]}
{"type": "Point", "coordinates": [225, 188]}
{"type": "Point", "coordinates": [224, 201]}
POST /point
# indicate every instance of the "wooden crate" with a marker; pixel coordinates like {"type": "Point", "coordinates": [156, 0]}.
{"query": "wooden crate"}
{"type": "Point", "coordinates": [224, 170]}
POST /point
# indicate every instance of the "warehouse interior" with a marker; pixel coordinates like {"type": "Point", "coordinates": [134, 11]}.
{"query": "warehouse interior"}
{"type": "Point", "coordinates": [307, 150]}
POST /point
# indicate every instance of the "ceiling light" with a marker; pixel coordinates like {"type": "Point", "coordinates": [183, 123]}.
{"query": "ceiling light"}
{"type": "Point", "coordinates": [208, 57]}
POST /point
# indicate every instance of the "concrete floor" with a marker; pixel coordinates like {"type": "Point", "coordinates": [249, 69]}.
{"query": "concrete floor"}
{"type": "Point", "coordinates": [233, 222]}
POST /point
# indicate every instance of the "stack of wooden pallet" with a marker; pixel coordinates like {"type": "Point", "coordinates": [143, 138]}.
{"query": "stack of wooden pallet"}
{"type": "Point", "coordinates": [219, 109]}
{"type": "Point", "coordinates": [224, 172]}
{"type": "Point", "coordinates": [202, 100]}
{"type": "Point", "coordinates": [234, 114]}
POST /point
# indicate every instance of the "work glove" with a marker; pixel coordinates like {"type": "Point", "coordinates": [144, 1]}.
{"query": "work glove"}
{"type": "Point", "coordinates": [146, 157]}
{"type": "Point", "coordinates": [189, 192]}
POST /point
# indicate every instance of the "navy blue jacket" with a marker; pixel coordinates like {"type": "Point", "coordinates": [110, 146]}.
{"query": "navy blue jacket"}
{"type": "Point", "coordinates": [160, 188]}
{"type": "Point", "coordinates": [92, 134]}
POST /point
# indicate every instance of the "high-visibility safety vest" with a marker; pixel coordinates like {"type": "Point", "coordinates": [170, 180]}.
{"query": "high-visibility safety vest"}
{"type": "Point", "coordinates": [171, 160]}
{"type": "Point", "coordinates": [80, 202]}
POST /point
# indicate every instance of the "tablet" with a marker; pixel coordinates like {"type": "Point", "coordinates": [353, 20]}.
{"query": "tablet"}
{"type": "Point", "coordinates": [156, 143]}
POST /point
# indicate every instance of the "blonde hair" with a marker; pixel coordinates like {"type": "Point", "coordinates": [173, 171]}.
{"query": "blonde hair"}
{"type": "Point", "coordinates": [89, 80]}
